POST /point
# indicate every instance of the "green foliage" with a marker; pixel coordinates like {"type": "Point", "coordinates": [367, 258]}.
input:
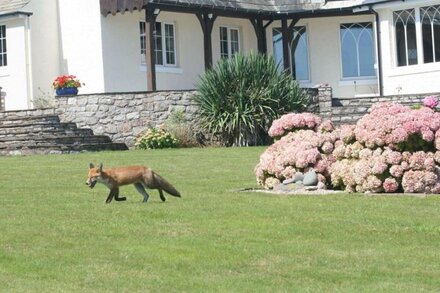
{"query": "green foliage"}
{"type": "Point", "coordinates": [182, 130]}
{"type": "Point", "coordinates": [156, 138]}
{"type": "Point", "coordinates": [241, 96]}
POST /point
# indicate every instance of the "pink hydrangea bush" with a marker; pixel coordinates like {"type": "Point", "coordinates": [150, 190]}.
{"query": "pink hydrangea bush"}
{"type": "Point", "coordinates": [392, 149]}
{"type": "Point", "coordinates": [292, 122]}
{"type": "Point", "coordinates": [304, 143]}
{"type": "Point", "coordinates": [430, 101]}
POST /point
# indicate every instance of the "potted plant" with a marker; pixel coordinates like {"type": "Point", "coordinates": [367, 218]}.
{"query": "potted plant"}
{"type": "Point", "coordinates": [66, 85]}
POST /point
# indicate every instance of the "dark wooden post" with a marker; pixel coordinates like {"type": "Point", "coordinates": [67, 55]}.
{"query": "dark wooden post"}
{"type": "Point", "coordinates": [287, 32]}
{"type": "Point", "coordinates": [150, 61]}
{"type": "Point", "coordinates": [207, 22]}
{"type": "Point", "coordinates": [260, 31]}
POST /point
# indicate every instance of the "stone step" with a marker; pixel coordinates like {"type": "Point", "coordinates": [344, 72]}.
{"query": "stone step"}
{"type": "Point", "coordinates": [62, 149]}
{"type": "Point", "coordinates": [52, 139]}
{"type": "Point", "coordinates": [56, 129]}
{"type": "Point", "coordinates": [31, 120]}
{"type": "Point", "coordinates": [41, 132]}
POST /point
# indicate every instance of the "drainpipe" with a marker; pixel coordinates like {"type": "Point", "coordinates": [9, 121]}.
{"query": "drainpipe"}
{"type": "Point", "coordinates": [379, 50]}
{"type": "Point", "coordinates": [30, 90]}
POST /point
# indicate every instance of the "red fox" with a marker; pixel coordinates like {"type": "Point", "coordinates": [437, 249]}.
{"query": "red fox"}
{"type": "Point", "coordinates": [142, 177]}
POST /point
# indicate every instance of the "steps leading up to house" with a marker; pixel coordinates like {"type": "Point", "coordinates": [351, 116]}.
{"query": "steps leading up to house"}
{"type": "Point", "coordinates": [42, 132]}
{"type": "Point", "coordinates": [349, 111]}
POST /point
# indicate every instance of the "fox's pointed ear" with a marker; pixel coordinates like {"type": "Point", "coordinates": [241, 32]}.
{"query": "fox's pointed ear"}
{"type": "Point", "coordinates": [100, 167]}
{"type": "Point", "coordinates": [92, 166]}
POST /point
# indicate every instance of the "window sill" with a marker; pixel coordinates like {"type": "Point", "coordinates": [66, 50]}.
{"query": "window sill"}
{"type": "Point", "coordinates": [163, 69]}
{"type": "Point", "coordinates": [415, 69]}
{"type": "Point", "coordinates": [357, 82]}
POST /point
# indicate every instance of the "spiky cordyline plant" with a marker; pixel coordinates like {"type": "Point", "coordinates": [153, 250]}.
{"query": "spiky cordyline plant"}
{"type": "Point", "coordinates": [240, 97]}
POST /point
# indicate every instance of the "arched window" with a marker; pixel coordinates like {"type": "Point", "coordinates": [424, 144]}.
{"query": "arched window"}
{"type": "Point", "coordinates": [430, 19]}
{"type": "Point", "coordinates": [357, 51]}
{"type": "Point", "coordinates": [406, 39]}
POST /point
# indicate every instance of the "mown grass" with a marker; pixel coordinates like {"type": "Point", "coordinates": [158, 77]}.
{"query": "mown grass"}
{"type": "Point", "coordinates": [58, 235]}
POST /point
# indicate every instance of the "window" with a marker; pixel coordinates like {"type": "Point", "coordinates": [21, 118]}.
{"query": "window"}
{"type": "Point", "coordinates": [406, 40]}
{"type": "Point", "coordinates": [357, 51]}
{"type": "Point", "coordinates": [164, 43]}
{"type": "Point", "coordinates": [430, 21]}
{"type": "Point", "coordinates": [3, 51]}
{"type": "Point", "coordinates": [229, 42]}
{"type": "Point", "coordinates": [299, 51]}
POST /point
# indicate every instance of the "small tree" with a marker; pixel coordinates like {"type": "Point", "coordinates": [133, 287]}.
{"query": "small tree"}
{"type": "Point", "coordinates": [241, 96]}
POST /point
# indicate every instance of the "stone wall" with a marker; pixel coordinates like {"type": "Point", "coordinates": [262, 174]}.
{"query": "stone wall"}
{"type": "Point", "coordinates": [122, 116]}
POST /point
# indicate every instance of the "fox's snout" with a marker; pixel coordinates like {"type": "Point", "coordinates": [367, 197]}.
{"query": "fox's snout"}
{"type": "Point", "coordinates": [91, 183]}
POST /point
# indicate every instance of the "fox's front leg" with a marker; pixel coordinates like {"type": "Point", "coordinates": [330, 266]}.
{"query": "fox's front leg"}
{"type": "Point", "coordinates": [113, 193]}
{"type": "Point", "coordinates": [117, 198]}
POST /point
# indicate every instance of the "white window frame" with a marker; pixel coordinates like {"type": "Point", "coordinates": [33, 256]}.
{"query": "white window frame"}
{"type": "Point", "coordinates": [420, 67]}
{"type": "Point", "coordinates": [229, 29]}
{"type": "Point", "coordinates": [357, 80]}
{"type": "Point", "coordinates": [165, 64]}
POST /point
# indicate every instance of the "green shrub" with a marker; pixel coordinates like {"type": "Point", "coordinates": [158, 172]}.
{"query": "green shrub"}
{"type": "Point", "coordinates": [182, 130]}
{"type": "Point", "coordinates": [156, 138]}
{"type": "Point", "coordinates": [240, 97]}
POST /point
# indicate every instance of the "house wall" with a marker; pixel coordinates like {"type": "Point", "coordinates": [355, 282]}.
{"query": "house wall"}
{"type": "Point", "coordinates": [13, 77]}
{"type": "Point", "coordinates": [414, 79]}
{"type": "Point", "coordinates": [123, 70]}
{"type": "Point", "coordinates": [45, 45]}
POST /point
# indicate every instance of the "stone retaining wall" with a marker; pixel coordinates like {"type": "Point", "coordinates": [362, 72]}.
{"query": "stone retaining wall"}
{"type": "Point", "coordinates": [121, 116]}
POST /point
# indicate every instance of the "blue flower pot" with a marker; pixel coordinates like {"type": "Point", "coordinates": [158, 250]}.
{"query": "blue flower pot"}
{"type": "Point", "coordinates": [67, 91]}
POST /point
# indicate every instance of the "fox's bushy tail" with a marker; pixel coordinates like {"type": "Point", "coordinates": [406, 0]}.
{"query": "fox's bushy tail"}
{"type": "Point", "coordinates": [165, 185]}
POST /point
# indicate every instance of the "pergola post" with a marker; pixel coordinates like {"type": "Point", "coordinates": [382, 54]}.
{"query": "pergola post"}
{"type": "Point", "coordinates": [260, 31]}
{"type": "Point", "coordinates": [287, 32]}
{"type": "Point", "coordinates": [207, 22]}
{"type": "Point", "coordinates": [150, 17]}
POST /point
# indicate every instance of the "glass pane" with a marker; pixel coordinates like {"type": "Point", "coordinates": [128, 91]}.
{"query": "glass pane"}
{"type": "Point", "coordinates": [235, 47]}
{"type": "Point", "coordinates": [400, 44]}
{"type": "Point", "coordinates": [349, 53]}
{"type": "Point", "coordinates": [277, 41]}
{"type": "Point", "coordinates": [412, 43]}
{"type": "Point", "coordinates": [157, 35]}
{"type": "Point", "coordinates": [169, 44]}
{"type": "Point", "coordinates": [437, 39]}
{"type": "Point", "coordinates": [224, 51]}
{"type": "Point", "coordinates": [299, 51]}
{"type": "Point", "coordinates": [366, 54]}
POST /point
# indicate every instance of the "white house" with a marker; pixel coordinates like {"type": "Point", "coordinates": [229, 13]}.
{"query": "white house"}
{"type": "Point", "coordinates": [358, 47]}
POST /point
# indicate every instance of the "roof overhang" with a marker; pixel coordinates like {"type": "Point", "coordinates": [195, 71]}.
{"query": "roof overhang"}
{"type": "Point", "coordinates": [15, 14]}
{"type": "Point", "coordinates": [237, 9]}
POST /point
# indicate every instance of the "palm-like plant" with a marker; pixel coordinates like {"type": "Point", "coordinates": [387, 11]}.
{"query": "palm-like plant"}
{"type": "Point", "coordinates": [241, 96]}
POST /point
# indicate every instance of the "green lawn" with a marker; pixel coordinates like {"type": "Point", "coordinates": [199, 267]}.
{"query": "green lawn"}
{"type": "Point", "coordinates": [58, 235]}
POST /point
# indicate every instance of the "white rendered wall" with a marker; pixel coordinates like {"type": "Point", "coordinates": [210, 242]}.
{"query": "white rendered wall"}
{"type": "Point", "coordinates": [123, 70]}
{"type": "Point", "coordinates": [45, 45]}
{"type": "Point", "coordinates": [81, 43]}
{"type": "Point", "coordinates": [13, 78]}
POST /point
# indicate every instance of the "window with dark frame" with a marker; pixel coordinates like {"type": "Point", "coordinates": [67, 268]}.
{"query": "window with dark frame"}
{"type": "Point", "coordinates": [430, 22]}
{"type": "Point", "coordinates": [3, 47]}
